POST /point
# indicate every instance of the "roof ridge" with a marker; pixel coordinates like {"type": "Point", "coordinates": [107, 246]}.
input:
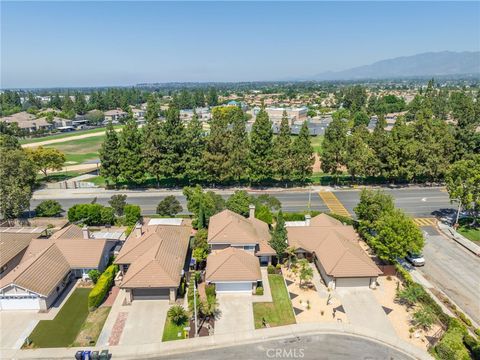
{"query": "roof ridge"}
{"type": "Point", "coordinates": [221, 229]}
{"type": "Point", "coordinates": [224, 261]}
{"type": "Point", "coordinates": [149, 234]}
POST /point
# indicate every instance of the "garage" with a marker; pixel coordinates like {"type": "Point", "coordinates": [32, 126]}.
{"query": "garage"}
{"type": "Point", "coordinates": [151, 294]}
{"type": "Point", "coordinates": [234, 287]}
{"type": "Point", "coordinates": [19, 303]}
{"type": "Point", "coordinates": [352, 282]}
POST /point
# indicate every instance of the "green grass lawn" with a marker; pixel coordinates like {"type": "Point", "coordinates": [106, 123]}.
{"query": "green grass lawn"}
{"type": "Point", "coordinates": [278, 312]}
{"type": "Point", "coordinates": [80, 150]}
{"type": "Point", "coordinates": [170, 331]}
{"type": "Point", "coordinates": [65, 135]}
{"type": "Point", "coordinates": [317, 143]}
{"type": "Point", "coordinates": [64, 328]}
{"type": "Point", "coordinates": [471, 233]}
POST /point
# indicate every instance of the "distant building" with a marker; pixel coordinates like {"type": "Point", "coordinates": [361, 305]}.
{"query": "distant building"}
{"type": "Point", "coordinates": [294, 114]}
{"type": "Point", "coordinates": [114, 116]}
{"type": "Point", "coordinates": [27, 122]}
{"type": "Point", "coordinates": [138, 114]}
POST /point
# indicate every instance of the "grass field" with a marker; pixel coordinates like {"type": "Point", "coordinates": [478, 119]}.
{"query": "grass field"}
{"type": "Point", "coordinates": [471, 233]}
{"type": "Point", "coordinates": [170, 331]}
{"type": "Point", "coordinates": [80, 150]}
{"type": "Point", "coordinates": [278, 312]}
{"type": "Point", "coordinates": [64, 328]}
{"type": "Point", "coordinates": [65, 135]}
{"type": "Point", "coordinates": [317, 143]}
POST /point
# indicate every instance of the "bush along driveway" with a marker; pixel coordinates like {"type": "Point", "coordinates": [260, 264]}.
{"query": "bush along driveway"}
{"type": "Point", "coordinates": [279, 311]}
{"type": "Point", "coordinates": [63, 329]}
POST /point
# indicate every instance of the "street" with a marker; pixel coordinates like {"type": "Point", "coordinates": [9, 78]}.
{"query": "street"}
{"type": "Point", "coordinates": [417, 202]}
{"type": "Point", "coordinates": [313, 347]}
{"type": "Point", "coordinates": [454, 270]}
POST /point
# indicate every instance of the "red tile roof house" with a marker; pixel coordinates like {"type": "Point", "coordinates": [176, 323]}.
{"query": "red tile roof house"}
{"type": "Point", "coordinates": [153, 260]}
{"type": "Point", "coordinates": [334, 248]}
{"type": "Point", "coordinates": [238, 247]}
{"type": "Point", "coordinates": [48, 266]}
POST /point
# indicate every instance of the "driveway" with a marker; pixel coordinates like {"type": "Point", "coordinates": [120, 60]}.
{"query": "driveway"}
{"type": "Point", "coordinates": [15, 326]}
{"type": "Point", "coordinates": [145, 322]}
{"type": "Point", "coordinates": [236, 313]}
{"type": "Point", "coordinates": [363, 310]}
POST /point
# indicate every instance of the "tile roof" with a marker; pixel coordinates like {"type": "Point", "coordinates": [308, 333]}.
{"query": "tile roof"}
{"type": "Point", "coordinates": [69, 232]}
{"type": "Point", "coordinates": [156, 258]}
{"type": "Point", "coordinates": [233, 264]}
{"type": "Point", "coordinates": [40, 273]}
{"type": "Point", "coordinates": [15, 240]}
{"type": "Point", "coordinates": [336, 248]}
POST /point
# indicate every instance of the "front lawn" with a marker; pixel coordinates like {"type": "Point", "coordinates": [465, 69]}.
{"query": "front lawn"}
{"type": "Point", "coordinates": [278, 312]}
{"type": "Point", "coordinates": [471, 233]}
{"type": "Point", "coordinates": [64, 328]}
{"type": "Point", "coordinates": [170, 331]}
{"type": "Point", "coordinates": [92, 327]}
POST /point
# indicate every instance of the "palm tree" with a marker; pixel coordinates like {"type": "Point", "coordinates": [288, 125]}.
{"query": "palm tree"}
{"type": "Point", "coordinates": [177, 314]}
{"type": "Point", "coordinates": [291, 254]}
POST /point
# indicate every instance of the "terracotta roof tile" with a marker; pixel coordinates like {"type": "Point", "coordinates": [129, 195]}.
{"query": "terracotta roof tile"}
{"type": "Point", "coordinates": [233, 264]}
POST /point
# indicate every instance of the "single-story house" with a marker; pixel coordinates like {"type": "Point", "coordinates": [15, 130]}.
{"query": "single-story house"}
{"type": "Point", "coordinates": [153, 260]}
{"type": "Point", "coordinates": [233, 270]}
{"type": "Point", "coordinates": [13, 244]}
{"type": "Point", "coordinates": [335, 250]}
{"type": "Point", "coordinates": [229, 229]}
{"type": "Point", "coordinates": [48, 265]}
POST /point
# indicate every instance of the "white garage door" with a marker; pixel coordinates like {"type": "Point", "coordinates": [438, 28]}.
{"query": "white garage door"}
{"type": "Point", "coordinates": [352, 282]}
{"type": "Point", "coordinates": [18, 303]}
{"type": "Point", "coordinates": [233, 287]}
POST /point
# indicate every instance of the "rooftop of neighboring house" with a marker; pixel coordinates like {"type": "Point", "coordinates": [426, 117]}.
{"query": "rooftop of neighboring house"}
{"type": "Point", "coordinates": [335, 245]}
{"type": "Point", "coordinates": [228, 227]}
{"type": "Point", "coordinates": [156, 255]}
{"type": "Point", "coordinates": [233, 264]}
{"type": "Point", "coordinates": [115, 112]}
{"type": "Point", "coordinates": [13, 240]}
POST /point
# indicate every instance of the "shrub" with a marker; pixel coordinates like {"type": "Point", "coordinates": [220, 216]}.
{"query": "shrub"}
{"type": "Point", "coordinates": [477, 332]}
{"type": "Point", "coordinates": [259, 290]}
{"type": "Point", "coordinates": [94, 275]}
{"type": "Point", "coordinates": [177, 314]}
{"type": "Point", "coordinates": [210, 290]}
{"type": "Point", "coordinates": [48, 208]}
{"type": "Point", "coordinates": [90, 214]}
{"type": "Point", "coordinates": [169, 206]}
{"type": "Point", "coordinates": [107, 215]}
{"type": "Point", "coordinates": [411, 294]}
{"type": "Point", "coordinates": [424, 318]}
{"type": "Point", "coordinates": [463, 317]}
{"type": "Point", "coordinates": [472, 345]}
{"type": "Point", "coordinates": [102, 287]}
{"type": "Point", "coordinates": [271, 269]}
{"type": "Point", "coordinates": [132, 214]}
{"type": "Point", "coordinates": [278, 267]}
{"type": "Point", "coordinates": [451, 345]}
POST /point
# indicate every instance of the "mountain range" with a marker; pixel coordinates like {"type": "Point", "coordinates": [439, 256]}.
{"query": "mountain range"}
{"type": "Point", "coordinates": [444, 63]}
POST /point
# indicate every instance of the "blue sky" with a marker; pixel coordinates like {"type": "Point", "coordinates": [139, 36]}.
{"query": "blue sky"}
{"type": "Point", "coordinates": [47, 44]}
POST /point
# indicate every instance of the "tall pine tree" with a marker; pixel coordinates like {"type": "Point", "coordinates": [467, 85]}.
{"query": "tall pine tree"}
{"type": "Point", "coordinates": [302, 155]}
{"type": "Point", "coordinates": [261, 149]}
{"type": "Point", "coordinates": [109, 155]}
{"type": "Point", "coordinates": [282, 154]}
{"type": "Point", "coordinates": [238, 156]}
{"type": "Point", "coordinates": [195, 140]}
{"type": "Point", "coordinates": [278, 240]}
{"type": "Point", "coordinates": [131, 164]}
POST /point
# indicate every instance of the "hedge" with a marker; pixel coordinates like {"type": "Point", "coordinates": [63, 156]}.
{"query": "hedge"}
{"type": "Point", "coordinates": [451, 346]}
{"type": "Point", "coordinates": [102, 287]}
{"type": "Point", "coordinates": [91, 214]}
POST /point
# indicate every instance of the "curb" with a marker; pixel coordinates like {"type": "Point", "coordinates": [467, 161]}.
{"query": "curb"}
{"type": "Point", "coordinates": [455, 236]}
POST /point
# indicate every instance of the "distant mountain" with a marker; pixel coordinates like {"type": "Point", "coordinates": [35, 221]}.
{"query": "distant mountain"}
{"type": "Point", "coordinates": [445, 63]}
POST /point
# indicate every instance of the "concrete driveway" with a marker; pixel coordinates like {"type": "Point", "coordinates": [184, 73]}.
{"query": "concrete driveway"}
{"type": "Point", "coordinates": [363, 310]}
{"type": "Point", "coordinates": [145, 322]}
{"type": "Point", "coordinates": [236, 313]}
{"type": "Point", "coordinates": [15, 326]}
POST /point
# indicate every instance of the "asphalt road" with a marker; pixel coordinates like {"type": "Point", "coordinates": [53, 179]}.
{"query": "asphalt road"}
{"type": "Point", "coordinates": [314, 347]}
{"type": "Point", "coordinates": [454, 270]}
{"type": "Point", "coordinates": [417, 202]}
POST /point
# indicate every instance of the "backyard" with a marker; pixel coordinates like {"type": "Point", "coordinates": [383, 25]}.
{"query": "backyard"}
{"type": "Point", "coordinates": [278, 312]}
{"type": "Point", "coordinates": [64, 328]}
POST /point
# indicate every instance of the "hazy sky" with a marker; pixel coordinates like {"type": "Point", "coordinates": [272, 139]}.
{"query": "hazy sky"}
{"type": "Point", "coordinates": [46, 44]}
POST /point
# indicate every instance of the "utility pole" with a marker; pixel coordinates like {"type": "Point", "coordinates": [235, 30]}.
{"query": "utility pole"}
{"type": "Point", "coordinates": [195, 304]}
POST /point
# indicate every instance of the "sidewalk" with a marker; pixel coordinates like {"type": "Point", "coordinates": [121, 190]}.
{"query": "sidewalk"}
{"type": "Point", "coordinates": [452, 234]}
{"type": "Point", "coordinates": [220, 341]}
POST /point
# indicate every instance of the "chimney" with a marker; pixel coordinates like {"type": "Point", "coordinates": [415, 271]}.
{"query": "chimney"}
{"type": "Point", "coordinates": [86, 232]}
{"type": "Point", "coordinates": [138, 230]}
{"type": "Point", "coordinates": [308, 217]}
{"type": "Point", "coordinates": [251, 211]}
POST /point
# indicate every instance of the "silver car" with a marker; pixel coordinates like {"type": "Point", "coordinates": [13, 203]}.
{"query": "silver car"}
{"type": "Point", "coordinates": [415, 259]}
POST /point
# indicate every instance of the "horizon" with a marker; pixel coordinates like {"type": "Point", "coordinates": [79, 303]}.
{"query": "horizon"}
{"type": "Point", "coordinates": [205, 42]}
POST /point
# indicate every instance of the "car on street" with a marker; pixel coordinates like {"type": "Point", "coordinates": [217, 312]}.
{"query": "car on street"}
{"type": "Point", "coordinates": [415, 259]}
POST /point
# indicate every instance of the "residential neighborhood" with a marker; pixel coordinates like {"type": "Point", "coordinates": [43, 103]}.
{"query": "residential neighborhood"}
{"type": "Point", "coordinates": [240, 180]}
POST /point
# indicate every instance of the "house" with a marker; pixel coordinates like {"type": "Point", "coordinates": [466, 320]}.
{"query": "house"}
{"type": "Point", "coordinates": [14, 241]}
{"type": "Point", "coordinates": [138, 114]}
{"type": "Point", "coordinates": [48, 265]}
{"type": "Point", "coordinates": [27, 122]}
{"type": "Point", "coordinates": [229, 229]}
{"type": "Point", "coordinates": [334, 248]}
{"type": "Point", "coordinates": [233, 270]}
{"type": "Point", "coordinates": [153, 260]}
{"type": "Point", "coordinates": [114, 116]}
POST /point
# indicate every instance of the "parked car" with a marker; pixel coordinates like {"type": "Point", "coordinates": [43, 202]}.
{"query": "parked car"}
{"type": "Point", "coordinates": [415, 259]}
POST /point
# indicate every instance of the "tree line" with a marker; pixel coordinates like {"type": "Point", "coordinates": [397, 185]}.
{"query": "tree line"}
{"type": "Point", "coordinates": [420, 147]}
{"type": "Point", "coordinates": [169, 150]}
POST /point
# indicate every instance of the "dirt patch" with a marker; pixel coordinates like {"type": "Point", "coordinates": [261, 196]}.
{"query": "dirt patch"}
{"type": "Point", "coordinates": [92, 327]}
